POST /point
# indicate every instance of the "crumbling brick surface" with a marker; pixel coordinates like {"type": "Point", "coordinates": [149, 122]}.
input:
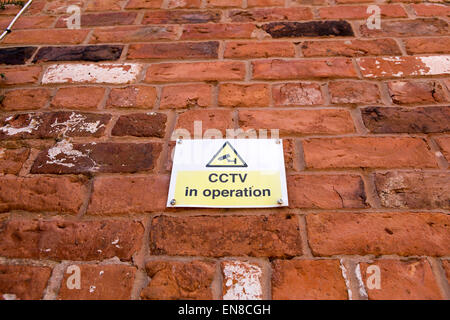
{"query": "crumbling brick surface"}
{"type": "Point", "coordinates": [86, 122]}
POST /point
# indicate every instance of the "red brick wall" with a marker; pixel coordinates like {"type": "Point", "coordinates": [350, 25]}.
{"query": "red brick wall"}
{"type": "Point", "coordinates": [85, 149]}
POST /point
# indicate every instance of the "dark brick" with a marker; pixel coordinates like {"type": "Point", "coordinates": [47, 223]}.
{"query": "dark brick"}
{"type": "Point", "coordinates": [308, 29]}
{"type": "Point", "coordinates": [178, 50]}
{"type": "Point", "coordinates": [102, 19]}
{"type": "Point", "coordinates": [150, 124]}
{"type": "Point", "coordinates": [406, 120]}
{"type": "Point", "coordinates": [53, 125]}
{"type": "Point", "coordinates": [97, 157]}
{"type": "Point", "coordinates": [180, 17]}
{"type": "Point", "coordinates": [16, 55]}
{"type": "Point", "coordinates": [84, 53]}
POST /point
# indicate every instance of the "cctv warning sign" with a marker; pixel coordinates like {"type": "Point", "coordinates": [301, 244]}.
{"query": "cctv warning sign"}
{"type": "Point", "coordinates": [235, 173]}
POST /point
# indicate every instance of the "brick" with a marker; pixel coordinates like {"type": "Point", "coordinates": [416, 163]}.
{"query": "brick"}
{"type": "Point", "coordinates": [270, 14]}
{"type": "Point", "coordinates": [195, 71]}
{"type": "Point", "coordinates": [58, 7]}
{"type": "Point", "coordinates": [290, 154]}
{"type": "Point", "coordinates": [326, 191]}
{"type": "Point", "coordinates": [218, 31]}
{"type": "Point", "coordinates": [350, 48]}
{"type": "Point", "coordinates": [180, 17]}
{"type": "Point", "coordinates": [46, 194]}
{"type": "Point", "coordinates": [184, 4]}
{"type": "Point", "coordinates": [368, 152]}
{"type": "Point", "coordinates": [150, 124]}
{"type": "Point", "coordinates": [308, 2]}
{"type": "Point", "coordinates": [400, 233]}
{"type": "Point", "coordinates": [241, 280]}
{"type": "Point", "coordinates": [403, 280]}
{"type": "Point", "coordinates": [360, 12]}
{"type": "Point", "coordinates": [431, 10]}
{"type": "Point", "coordinates": [12, 160]}
{"type": "Point", "coordinates": [52, 36]}
{"type": "Point", "coordinates": [265, 3]}
{"type": "Point", "coordinates": [218, 236]}
{"type": "Point", "coordinates": [244, 95]}
{"type": "Point", "coordinates": [105, 5]}
{"type": "Point", "coordinates": [75, 53]}
{"type": "Point", "coordinates": [216, 119]}
{"type": "Point", "coordinates": [179, 280]}
{"type": "Point", "coordinates": [308, 279]}
{"type": "Point", "coordinates": [28, 22]}
{"type": "Point", "coordinates": [99, 282]}
{"type": "Point", "coordinates": [144, 4]}
{"type": "Point", "coordinates": [59, 239]}
{"type": "Point", "coordinates": [82, 98]}
{"type": "Point", "coordinates": [413, 190]}
{"type": "Point", "coordinates": [446, 266]}
{"type": "Point", "coordinates": [223, 3]}
{"type": "Point", "coordinates": [186, 96]}
{"type": "Point", "coordinates": [421, 92]}
{"type": "Point", "coordinates": [135, 34]}
{"type": "Point", "coordinates": [308, 29]}
{"type": "Point", "coordinates": [177, 50]}
{"type": "Point", "coordinates": [406, 120]}
{"type": "Point", "coordinates": [391, 67]}
{"type": "Point", "coordinates": [16, 55]}
{"type": "Point", "coordinates": [143, 194]}
{"type": "Point", "coordinates": [102, 19]}
{"type": "Point", "coordinates": [444, 144]}
{"type": "Point", "coordinates": [19, 75]}
{"type": "Point", "coordinates": [24, 99]}
{"type": "Point", "coordinates": [298, 122]}
{"type": "Point", "coordinates": [293, 94]}
{"type": "Point", "coordinates": [115, 73]}
{"type": "Point", "coordinates": [53, 125]}
{"type": "Point", "coordinates": [141, 97]}
{"type": "Point", "coordinates": [407, 28]}
{"type": "Point", "coordinates": [65, 158]}
{"type": "Point", "coordinates": [427, 45]}
{"type": "Point", "coordinates": [23, 282]}
{"type": "Point", "coordinates": [354, 92]}
{"type": "Point", "coordinates": [303, 69]}
{"type": "Point", "coordinates": [263, 49]}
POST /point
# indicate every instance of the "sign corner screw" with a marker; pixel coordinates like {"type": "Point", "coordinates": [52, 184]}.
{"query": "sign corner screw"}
{"type": "Point", "coordinates": [280, 201]}
{"type": "Point", "coordinates": [172, 202]}
{"type": "Point", "coordinates": [179, 141]}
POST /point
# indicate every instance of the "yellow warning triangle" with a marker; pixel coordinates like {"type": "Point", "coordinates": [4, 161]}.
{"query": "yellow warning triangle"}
{"type": "Point", "coordinates": [226, 157]}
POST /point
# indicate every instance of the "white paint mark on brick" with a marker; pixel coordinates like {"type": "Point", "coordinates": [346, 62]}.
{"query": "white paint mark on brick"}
{"type": "Point", "coordinates": [63, 154]}
{"type": "Point", "coordinates": [92, 73]}
{"type": "Point", "coordinates": [242, 281]}
{"type": "Point", "coordinates": [362, 289]}
{"type": "Point", "coordinates": [435, 64]}
{"type": "Point", "coordinates": [92, 289]}
{"type": "Point", "coordinates": [9, 296]}
{"type": "Point", "coordinates": [76, 122]}
{"type": "Point", "coordinates": [347, 282]}
{"type": "Point", "coordinates": [11, 131]}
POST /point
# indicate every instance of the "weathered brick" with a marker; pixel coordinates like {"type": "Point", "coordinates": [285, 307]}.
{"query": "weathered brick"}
{"type": "Point", "coordinates": [57, 7]}
{"type": "Point", "coordinates": [23, 282]}
{"type": "Point", "coordinates": [142, 97]}
{"type": "Point", "coordinates": [179, 280]}
{"type": "Point", "coordinates": [431, 10]}
{"type": "Point", "coordinates": [290, 155]}
{"type": "Point", "coordinates": [423, 92]}
{"type": "Point", "coordinates": [216, 119]}
{"type": "Point", "coordinates": [402, 280]}
{"type": "Point", "coordinates": [171, 4]}
{"type": "Point", "coordinates": [53, 125]}
{"type": "Point", "coordinates": [143, 194]}
{"type": "Point", "coordinates": [407, 28]}
{"type": "Point", "coordinates": [303, 69]}
{"type": "Point", "coordinates": [150, 124]}
{"type": "Point", "coordinates": [298, 122]}
{"type": "Point", "coordinates": [244, 95]}
{"type": "Point", "coordinates": [354, 92]}
{"type": "Point", "coordinates": [65, 157]}
{"type": "Point", "coordinates": [16, 55]}
{"type": "Point", "coordinates": [308, 279]}
{"type": "Point", "coordinates": [75, 53]}
{"type": "Point", "coordinates": [176, 50]}
{"type": "Point", "coordinates": [28, 22]}
{"type": "Point", "coordinates": [326, 191]}
{"type": "Point", "coordinates": [52, 36]}
{"type": "Point", "coordinates": [218, 236]}
{"type": "Point", "coordinates": [265, 3]}
{"type": "Point", "coordinates": [241, 280]}
{"type": "Point", "coordinates": [350, 48]}
{"type": "Point", "coordinates": [401, 233]}
{"type": "Point", "coordinates": [186, 96]}
{"type": "Point", "coordinates": [406, 120]}
{"type": "Point", "coordinates": [446, 266]}
{"type": "Point", "coordinates": [427, 45]}
{"type": "Point", "coordinates": [369, 152]}
{"type": "Point", "coordinates": [19, 75]}
{"type": "Point", "coordinates": [99, 282]}
{"type": "Point", "coordinates": [444, 144]}
{"type": "Point", "coordinates": [24, 99]}
{"type": "Point", "coordinates": [12, 160]}
{"type": "Point", "coordinates": [414, 190]}
{"type": "Point", "coordinates": [102, 19]}
{"type": "Point", "coordinates": [59, 239]}
{"type": "Point", "coordinates": [218, 31]}
{"type": "Point", "coordinates": [195, 71]}
{"type": "Point", "coordinates": [144, 4]}
{"type": "Point", "coordinates": [308, 29]}
{"type": "Point", "coordinates": [180, 17]}
{"type": "Point", "coordinates": [270, 14]}
{"type": "Point", "coordinates": [47, 194]}
{"type": "Point", "coordinates": [360, 12]}
{"type": "Point", "coordinates": [293, 94]}
{"type": "Point", "coordinates": [264, 49]}
{"type": "Point", "coordinates": [81, 98]}
{"type": "Point", "coordinates": [135, 34]}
